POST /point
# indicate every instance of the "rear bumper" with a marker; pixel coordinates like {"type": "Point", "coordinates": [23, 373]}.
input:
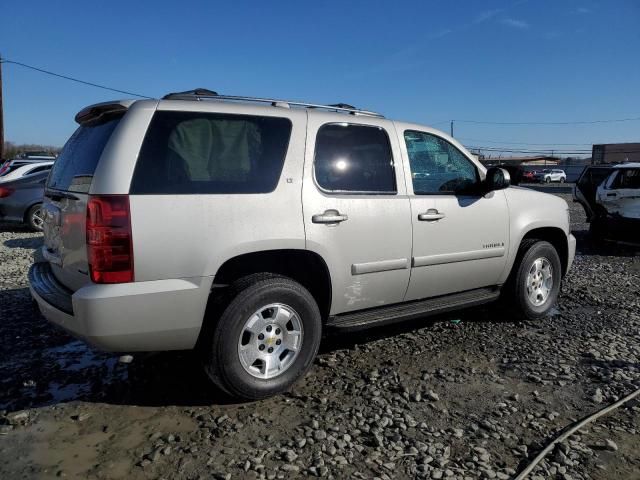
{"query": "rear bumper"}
{"type": "Point", "coordinates": [140, 316]}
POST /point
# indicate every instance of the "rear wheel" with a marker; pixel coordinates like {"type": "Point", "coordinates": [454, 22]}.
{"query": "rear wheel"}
{"type": "Point", "coordinates": [547, 179]}
{"type": "Point", "coordinates": [535, 281]}
{"type": "Point", "coordinates": [35, 219]}
{"type": "Point", "coordinates": [562, 180]}
{"type": "Point", "coordinates": [266, 336]}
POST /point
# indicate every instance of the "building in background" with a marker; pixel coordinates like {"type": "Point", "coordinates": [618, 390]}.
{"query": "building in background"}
{"type": "Point", "coordinates": [616, 153]}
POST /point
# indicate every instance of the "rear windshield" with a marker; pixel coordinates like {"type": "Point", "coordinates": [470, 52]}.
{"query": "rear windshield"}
{"type": "Point", "coordinates": [76, 164]}
{"type": "Point", "coordinates": [195, 152]}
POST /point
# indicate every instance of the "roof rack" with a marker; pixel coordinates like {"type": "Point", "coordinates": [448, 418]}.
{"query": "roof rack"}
{"type": "Point", "coordinates": [204, 94]}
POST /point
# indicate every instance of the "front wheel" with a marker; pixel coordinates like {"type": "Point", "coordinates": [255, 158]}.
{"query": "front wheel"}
{"type": "Point", "coordinates": [534, 283]}
{"type": "Point", "coordinates": [265, 338]}
{"type": "Point", "coordinates": [547, 180]}
{"type": "Point", "coordinates": [562, 180]}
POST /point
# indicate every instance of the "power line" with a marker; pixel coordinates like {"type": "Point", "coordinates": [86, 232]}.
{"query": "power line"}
{"type": "Point", "coordinates": [523, 143]}
{"type": "Point", "coordinates": [550, 150]}
{"type": "Point", "coordinates": [5, 60]}
{"type": "Point", "coordinates": [536, 152]}
{"type": "Point", "coordinates": [574, 152]}
{"type": "Point", "coordinates": [577, 122]}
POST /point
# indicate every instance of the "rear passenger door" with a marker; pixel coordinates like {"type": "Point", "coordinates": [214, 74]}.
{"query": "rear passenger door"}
{"type": "Point", "coordinates": [356, 212]}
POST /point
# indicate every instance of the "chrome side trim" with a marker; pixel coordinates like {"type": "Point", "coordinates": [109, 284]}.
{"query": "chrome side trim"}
{"type": "Point", "coordinates": [458, 257]}
{"type": "Point", "coordinates": [381, 266]}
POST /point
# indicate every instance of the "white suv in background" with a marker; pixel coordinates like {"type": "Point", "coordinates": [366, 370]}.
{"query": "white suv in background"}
{"type": "Point", "coordinates": [548, 176]}
{"type": "Point", "coordinates": [243, 227]}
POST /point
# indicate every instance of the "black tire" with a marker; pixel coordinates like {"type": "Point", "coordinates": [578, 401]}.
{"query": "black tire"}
{"type": "Point", "coordinates": [220, 345]}
{"type": "Point", "coordinates": [547, 180]}
{"type": "Point", "coordinates": [516, 288]}
{"type": "Point", "coordinates": [33, 218]}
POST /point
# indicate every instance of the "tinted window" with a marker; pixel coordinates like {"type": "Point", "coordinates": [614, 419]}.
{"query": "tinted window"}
{"type": "Point", "coordinates": [627, 178]}
{"type": "Point", "coordinates": [192, 152]}
{"type": "Point", "coordinates": [437, 166]}
{"type": "Point", "coordinates": [354, 158]}
{"type": "Point", "coordinates": [76, 164]}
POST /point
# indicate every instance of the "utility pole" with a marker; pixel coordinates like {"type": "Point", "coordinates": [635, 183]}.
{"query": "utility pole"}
{"type": "Point", "coordinates": [452, 128]}
{"type": "Point", "coordinates": [1, 116]}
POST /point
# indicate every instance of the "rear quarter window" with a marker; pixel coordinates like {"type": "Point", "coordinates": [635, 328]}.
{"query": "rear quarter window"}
{"type": "Point", "coordinates": [74, 168]}
{"type": "Point", "coordinates": [211, 153]}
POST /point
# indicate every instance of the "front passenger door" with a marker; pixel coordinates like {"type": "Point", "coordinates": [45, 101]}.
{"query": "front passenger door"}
{"type": "Point", "coordinates": [460, 236]}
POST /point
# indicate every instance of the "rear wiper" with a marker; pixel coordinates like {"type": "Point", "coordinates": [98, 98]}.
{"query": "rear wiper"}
{"type": "Point", "coordinates": [58, 194]}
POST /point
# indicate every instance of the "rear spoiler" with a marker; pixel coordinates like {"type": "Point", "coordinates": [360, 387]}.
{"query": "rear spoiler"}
{"type": "Point", "coordinates": [96, 112]}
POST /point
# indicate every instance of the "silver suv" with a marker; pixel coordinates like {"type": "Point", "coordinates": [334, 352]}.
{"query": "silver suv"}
{"type": "Point", "coordinates": [243, 227]}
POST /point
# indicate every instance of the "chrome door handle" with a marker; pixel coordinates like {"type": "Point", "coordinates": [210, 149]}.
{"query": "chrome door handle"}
{"type": "Point", "coordinates": [430, 216]}
{"type": "Point", "coordinates": [329, 216]}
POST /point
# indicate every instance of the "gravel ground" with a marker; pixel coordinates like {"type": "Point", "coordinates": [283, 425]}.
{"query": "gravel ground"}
{"type": "Point", "coordinates": [470, 395]}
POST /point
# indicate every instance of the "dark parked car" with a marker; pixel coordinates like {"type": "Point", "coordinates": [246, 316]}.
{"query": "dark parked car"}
{"type": "Point", "coordinates": [21, 200]}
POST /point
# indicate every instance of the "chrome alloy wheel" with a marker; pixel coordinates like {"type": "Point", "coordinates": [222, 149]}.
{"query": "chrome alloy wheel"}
{"type": "Point", "coordinates": [37, 218]}
{"type": "Point", "coordinates": [539, 281]}
{"type": "Point", "coordinates": [270, 341]}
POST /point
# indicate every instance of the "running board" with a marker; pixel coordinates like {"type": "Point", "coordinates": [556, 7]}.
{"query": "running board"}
{"type": "Point", "coordinates": [406, 311]}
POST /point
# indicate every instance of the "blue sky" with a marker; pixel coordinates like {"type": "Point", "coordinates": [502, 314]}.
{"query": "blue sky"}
{"type": "Point", "coordinates": [422, 61]}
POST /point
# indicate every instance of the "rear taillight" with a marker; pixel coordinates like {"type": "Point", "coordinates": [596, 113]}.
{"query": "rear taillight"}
{"type": "Point", "coordinates": [5, 192]}
{"type": "Point", "coordinates": [109, 242]}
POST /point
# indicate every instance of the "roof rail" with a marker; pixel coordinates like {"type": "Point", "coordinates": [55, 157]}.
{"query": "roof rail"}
{"type": "Point", "coordinates": [204, 94]}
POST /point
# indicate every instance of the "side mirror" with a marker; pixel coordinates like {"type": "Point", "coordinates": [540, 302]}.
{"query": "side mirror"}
{"type": "Point", "coordinates": [497, 179]}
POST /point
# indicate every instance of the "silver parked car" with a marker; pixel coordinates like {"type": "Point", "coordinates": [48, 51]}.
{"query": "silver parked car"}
{"type": "Point", "coordinates": [243, 227]}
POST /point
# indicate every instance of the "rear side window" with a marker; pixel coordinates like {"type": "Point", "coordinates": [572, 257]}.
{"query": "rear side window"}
{"type": "Point", "coordinates": [74, 168]}
{"type": "Point", "coordinates": [194, 152]}
{"type": "Point", "coordinates": [354, 158]}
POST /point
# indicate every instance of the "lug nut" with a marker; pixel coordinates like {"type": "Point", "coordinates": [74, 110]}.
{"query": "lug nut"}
{"type": "Point", "coordinates": [261, 347]}
{"type": "Point", "coordinates": [278, 342]}
{"type": "Point", "coordinates": [268, 328]}
{"type": "Point", "coordinates": [270, 350]}
{"type": "Point", "coordinates": [277, 331]}
{"type": "Point", "coordinates": [261, 336]}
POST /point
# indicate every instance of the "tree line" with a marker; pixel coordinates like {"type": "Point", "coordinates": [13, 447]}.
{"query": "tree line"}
{"type": "Point", "coordinates": [14, 150]}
